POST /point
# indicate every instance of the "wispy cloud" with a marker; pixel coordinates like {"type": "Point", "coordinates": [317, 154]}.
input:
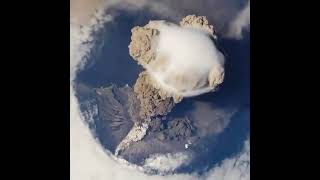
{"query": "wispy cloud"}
{"type": "Point", "coordinates": [235, 168]}
{"type": "Point", "coordinates": [227, 17]}
{"type": "Point", "coordinates": [240, 23]}
{"type": "Point", "coordinates": [167, 162]}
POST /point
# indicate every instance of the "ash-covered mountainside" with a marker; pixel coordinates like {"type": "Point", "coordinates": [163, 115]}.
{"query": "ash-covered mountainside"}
{"type": "Point", "coordinates": [118, 110]}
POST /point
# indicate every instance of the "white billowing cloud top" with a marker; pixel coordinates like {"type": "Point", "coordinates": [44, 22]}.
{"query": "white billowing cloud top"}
{"type": "Point", "coordinates": [192, 63]}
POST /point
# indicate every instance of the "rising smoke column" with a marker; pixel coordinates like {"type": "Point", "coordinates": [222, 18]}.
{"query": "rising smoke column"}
{"type": "Point", "coordinates": [179, 61]}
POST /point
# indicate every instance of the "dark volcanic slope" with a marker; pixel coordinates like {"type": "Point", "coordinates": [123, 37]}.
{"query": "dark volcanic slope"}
{"type": "Point", "coordinates": [113, 120]}
{"type": "Point", "coordinates": [113, 113]}
{"type": "Point", "coordinates": [118, 109]}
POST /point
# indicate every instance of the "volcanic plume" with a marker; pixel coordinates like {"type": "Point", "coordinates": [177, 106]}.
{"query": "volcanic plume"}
{"type": "Point", "coordinates": [179, 61]}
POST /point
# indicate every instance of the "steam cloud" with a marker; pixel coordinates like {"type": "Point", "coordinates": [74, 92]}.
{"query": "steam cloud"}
{"type": "Point", "coordinates": [193, 65]}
